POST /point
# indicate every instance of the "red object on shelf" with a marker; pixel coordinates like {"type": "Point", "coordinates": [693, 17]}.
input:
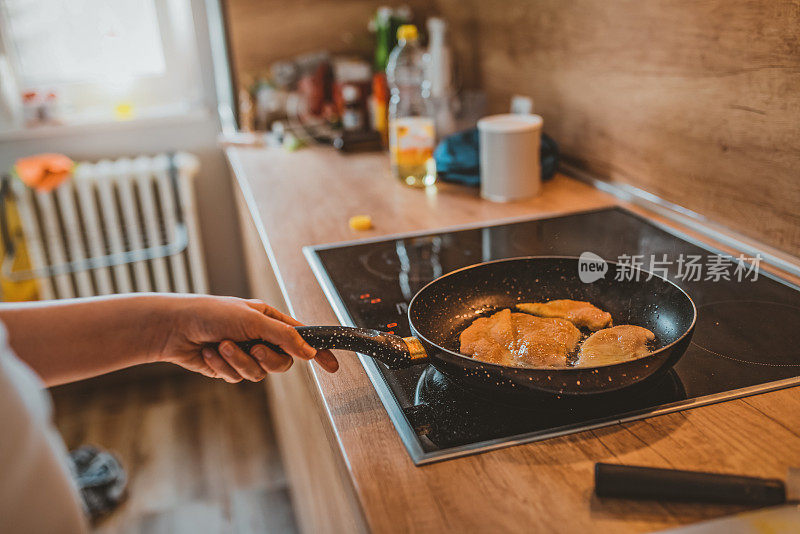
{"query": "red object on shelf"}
{"type": "Point", "coordinates": [379, 106]}
{"type": "Point", "coordinates": [316, 87]}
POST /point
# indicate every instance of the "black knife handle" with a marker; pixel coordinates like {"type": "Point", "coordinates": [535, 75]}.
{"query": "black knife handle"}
{"type": "Point", "coordinates": [632, 482]}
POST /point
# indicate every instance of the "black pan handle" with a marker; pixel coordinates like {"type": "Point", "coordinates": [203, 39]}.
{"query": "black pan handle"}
{"type": "Point", "coordinates": [632, 482]}
{"type": "Point", "coordinates": [394, 351]}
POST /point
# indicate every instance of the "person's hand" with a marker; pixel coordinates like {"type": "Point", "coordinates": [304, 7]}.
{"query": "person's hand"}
{"type": "Point", "coordinates": [203, 320]}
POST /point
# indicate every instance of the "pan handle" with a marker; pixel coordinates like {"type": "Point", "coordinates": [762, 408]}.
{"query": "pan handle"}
{"type": "Point", "coordinates": [634, 482]}
{"type": "Point", "coordinates": [394, 351]}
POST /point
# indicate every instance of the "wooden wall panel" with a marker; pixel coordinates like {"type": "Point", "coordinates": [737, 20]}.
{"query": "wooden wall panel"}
{"type": "Point", "coordinates": [263, 31]}
{"type": "Point", "coordinates": [697, 101]}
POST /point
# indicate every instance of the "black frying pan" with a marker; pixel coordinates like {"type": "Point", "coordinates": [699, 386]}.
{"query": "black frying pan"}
{"type": "Point", "coordinates": [441, 310]}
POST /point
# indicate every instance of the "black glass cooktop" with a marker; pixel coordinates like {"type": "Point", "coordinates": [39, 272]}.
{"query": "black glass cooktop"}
{"type": "Point", "coordinates": [746, 339]}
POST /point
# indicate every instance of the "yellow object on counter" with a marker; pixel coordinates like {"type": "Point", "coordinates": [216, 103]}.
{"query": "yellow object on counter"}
{"type": "Point", "coordinates": [361, 222]}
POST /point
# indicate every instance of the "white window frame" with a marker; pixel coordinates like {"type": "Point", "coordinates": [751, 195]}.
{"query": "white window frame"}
{"type": "Point", "coordinates": [178, 90]}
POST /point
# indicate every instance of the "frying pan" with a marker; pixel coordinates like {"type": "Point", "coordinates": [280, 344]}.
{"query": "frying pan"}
{"type": "Point", "coordinates": [441, 310]}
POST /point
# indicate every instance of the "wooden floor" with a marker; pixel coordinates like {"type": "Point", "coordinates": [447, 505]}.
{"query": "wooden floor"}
{"type": "Point", "coordinates": [200, 454]}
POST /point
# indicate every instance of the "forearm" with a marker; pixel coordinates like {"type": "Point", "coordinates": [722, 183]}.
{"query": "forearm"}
{"type": "Point", "coordinates": [70, 340]}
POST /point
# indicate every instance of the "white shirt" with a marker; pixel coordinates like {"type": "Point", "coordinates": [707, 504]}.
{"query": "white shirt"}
{"type": "Point", "coordinates": [37, 491]}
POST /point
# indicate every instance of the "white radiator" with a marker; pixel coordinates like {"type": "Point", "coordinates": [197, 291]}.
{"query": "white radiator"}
{"type": "Point", "coordinates": [116, 227]}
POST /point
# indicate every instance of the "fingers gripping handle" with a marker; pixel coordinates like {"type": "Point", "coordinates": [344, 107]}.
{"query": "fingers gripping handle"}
{"type": "Point", "coordinates": [390, 349]}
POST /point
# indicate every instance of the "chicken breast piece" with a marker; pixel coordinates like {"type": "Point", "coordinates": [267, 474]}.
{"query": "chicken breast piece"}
{"type": "Point", "coordinates": [520, 340]}
{"type": "Point", "coordinates": [614, 345]}
{"type": "Point", "coordinates": [579, 313]}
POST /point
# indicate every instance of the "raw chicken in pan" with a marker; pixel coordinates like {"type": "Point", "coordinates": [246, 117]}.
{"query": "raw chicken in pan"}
{"type": "Point", "coordinates": [612, 345]}
{"type": "Point", "coordinates": [520, 340]}
{"type": "Point", "coordinates": [528, 340]}
{"type": "Point", "coordinates": [581, 314]}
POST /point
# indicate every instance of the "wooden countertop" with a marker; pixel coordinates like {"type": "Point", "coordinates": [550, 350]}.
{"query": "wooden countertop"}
{"type": "Point", "coordinates": [306, 198]}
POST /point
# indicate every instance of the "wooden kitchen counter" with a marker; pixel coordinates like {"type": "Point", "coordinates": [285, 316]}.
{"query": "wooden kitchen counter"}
{"type": "Point", "coordinates": [361, 476]}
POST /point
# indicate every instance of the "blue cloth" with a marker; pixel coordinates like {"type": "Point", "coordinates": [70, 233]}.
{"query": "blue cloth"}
{"type": "Point", "coordinates": [458, 158]}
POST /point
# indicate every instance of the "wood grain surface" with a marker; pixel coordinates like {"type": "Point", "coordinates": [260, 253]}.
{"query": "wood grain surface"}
{"type": "Point", "coordinates": [264, 31]}
{"type": "Point", "coordinates": [200, 454]}
{"type": "Point", "coordinates": [323, 495]}
{"type": "Point", "coordinates": [695, 101]}
{"type": "Point", "coordinates": [305, 198]}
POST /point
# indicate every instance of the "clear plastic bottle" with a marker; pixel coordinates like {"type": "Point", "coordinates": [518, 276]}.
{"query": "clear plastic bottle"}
{"type": "Point", "coordinates": [439, 65]}
{"type": "Point", "coordinates": [411, 127]}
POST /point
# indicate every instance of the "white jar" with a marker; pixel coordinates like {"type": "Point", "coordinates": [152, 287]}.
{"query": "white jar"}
{"type": "Point", "coordinates": [509, 156]}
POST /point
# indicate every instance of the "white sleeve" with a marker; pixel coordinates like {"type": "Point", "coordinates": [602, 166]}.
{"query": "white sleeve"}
{"type": "Point", "coordinates": [37, 492]}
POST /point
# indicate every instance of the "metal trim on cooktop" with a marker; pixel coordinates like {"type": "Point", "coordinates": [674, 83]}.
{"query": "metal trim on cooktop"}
{"type": "Point", "coordinates": [398, 418]}
{"type": "Point", "coordinates": [392, 406]}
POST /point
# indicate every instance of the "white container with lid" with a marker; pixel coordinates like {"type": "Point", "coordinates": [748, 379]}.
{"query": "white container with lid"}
{"type": "Point", "coordinates": [509, 156]}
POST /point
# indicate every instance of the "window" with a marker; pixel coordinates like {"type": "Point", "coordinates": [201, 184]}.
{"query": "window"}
{"type": "Point", "coordinates": [97, 60]}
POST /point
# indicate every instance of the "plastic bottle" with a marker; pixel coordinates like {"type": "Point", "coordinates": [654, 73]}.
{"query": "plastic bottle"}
{"type": "Point", "coordinates": [411, 127]}
{"type": "Point", "coordinates": [439, 66]}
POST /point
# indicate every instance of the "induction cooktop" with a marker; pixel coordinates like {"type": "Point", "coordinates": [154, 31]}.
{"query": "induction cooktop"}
{"type": "Point", "coordinates": [745, 341]}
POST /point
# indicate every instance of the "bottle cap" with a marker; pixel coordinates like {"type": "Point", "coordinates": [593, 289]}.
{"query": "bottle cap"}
{"type": "Point", "coordinates": [407, 32]}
